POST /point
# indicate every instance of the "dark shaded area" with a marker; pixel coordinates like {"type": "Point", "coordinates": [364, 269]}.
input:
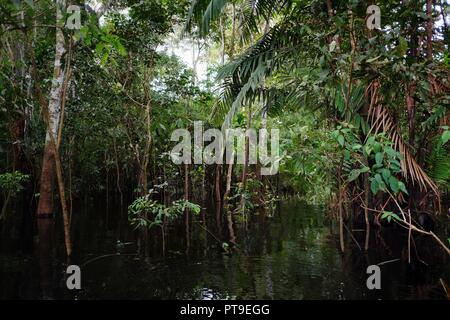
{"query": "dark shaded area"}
{"type": "Point", "coordinates": [291, 253]}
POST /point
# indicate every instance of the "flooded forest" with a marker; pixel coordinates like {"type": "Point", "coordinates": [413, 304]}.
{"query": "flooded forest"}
{"type": "Point", "coordinates": [224, 149]}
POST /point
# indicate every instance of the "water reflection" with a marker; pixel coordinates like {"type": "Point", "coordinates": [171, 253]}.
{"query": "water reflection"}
{"type": "Point", "coordinates": [45, 231]}
{"type": "Point", "coordinates": [292, 255]}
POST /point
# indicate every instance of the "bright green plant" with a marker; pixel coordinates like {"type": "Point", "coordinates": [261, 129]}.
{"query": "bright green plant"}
{"type": "Point", "coordinates": [439, 159]}
{"type": "Point", "coordinates": [386, 169]}
{"type": "Point", "coordinates": [388, 215]}
{"type": "Point", "coordinates": [145, 212]}
{"type": "Point", "coordinates": [376, 157]}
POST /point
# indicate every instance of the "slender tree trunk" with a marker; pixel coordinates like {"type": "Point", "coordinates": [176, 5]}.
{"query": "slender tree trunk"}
{"type": "Point", "coordinates": [226, 202]}
{"type": "Point", "coordinates": [411, 86]}
{"type": "Point", "coordinates": [148, 143]}
{"type": "Point", "coordinates": [116, 157]}
{"type": "Point", "coordinates": [217, 184]}
{"type": "Point", "coordinates": [204, 194]}
{"type": "Point", "coordinates": [62, 195]}
{"type": "Point", "coordinates": [233, 32]}
{"type": "Point", "coordinates": [259, 176]}
{"type": "Point", "coordinates": [186, 211]}
{"type": "Point", "coordinates": [430, 29]}
{"type": "Point", "coordinates": [107, 189]}
{"type": "Point", "coordinates": [442, 5]}
{"type": "Point", "coordinates": [228, 185]}
{"type": "Point", "coordinates": [341, 222]}
{"type": "Point", "coordinates": [52, 115]}
{"type": "Point", "coordinates": [222, 41]}
{"type": "Point", "coordinates": [70, 182]}
{"type": "Point", "coordinates": [366, 210]}
{"type": "Point", "coordinates": [245, 168]}
{"type": "Point", "coordinates": [411, 109]}
{"type": "Point", "coordinates": [330, 8]}
{"type": "Point", "coordinates": [230, 227]}
{"type": "Point", "coordinates": [341, 190]}
{"type": "Point", "coordinates": [45, 205]}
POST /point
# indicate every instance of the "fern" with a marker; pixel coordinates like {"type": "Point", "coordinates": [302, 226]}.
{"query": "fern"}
{"type": "Point", "coordinates": [439, 163]}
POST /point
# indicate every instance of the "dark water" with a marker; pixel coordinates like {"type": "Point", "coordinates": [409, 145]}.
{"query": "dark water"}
{"type": "Point", "coordinates": [293, 253]}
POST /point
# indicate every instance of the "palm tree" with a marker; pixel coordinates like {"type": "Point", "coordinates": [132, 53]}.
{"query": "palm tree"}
{"type": "Point", "coordinates": [306, 46]}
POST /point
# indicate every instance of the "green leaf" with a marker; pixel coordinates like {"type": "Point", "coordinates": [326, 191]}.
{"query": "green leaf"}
{"type": "Point", "coordinates": [377, 147]}
{"type": "Point", "coordinates": [379, 158]}
{"type": "Point", "coordinates": [364, 169]}
{"type": "Point", "coordinates": [104, 58]}
{"type": "Point", "coordinates": [390, 152]}
{"type": "Point", "coordinates": [387, 215]}
{"type": "Point", "coordinates": [394, 184]}
{"type": "Point", "coordinates": [341, 140]}
{"type": "Point", "coordinates": [120, 48]}
{"type": "Point", "coordinates": [386, 174]}
{"type": "Point", "coordinates": [354, 174]}
{"type": "Point", "coordinates": [99, 48]}
{"type": "Point", "coordinates": [402, 187]}
{"type": "Point", "coordinates": [445, 137]}
{"type": "Point", "coordinates": [347, 155]}
{"type": "Point", "coordinates": [374, 186]}
{"type": "Point", "coordinates": [378, 178]}
{"type": "Point", "coordinates": [377, 166]}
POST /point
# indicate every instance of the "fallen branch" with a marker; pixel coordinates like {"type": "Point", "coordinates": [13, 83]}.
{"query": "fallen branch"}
{"type": "Point", "coordinates": [413, 227]}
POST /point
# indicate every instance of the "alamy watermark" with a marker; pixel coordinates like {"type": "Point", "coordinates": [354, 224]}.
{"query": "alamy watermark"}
{"type": "Point", "coordinates": [74, 279]}
{"type": "Point", "coordinates": [227, 144]}
{"type": "Point", "coordinates": [374, 17]}
{"type": "Point", "coordinates": [374, 280]}
{"type": "Point", "coordinates": [73, 21]}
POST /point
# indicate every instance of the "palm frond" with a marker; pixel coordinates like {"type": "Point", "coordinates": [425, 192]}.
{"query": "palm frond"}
{"type": "Point", "coordinates": [227, 92]}
{"type": "Point", "coordinates": [243, 76]}
{"type": "Point", "coordinates": [246, 93]}
{"type": "Point", "coordinates": [203, 13]}
{"type": "Point", "coordinates": [381, 120]}
{"type": "Point", "coordinates": [254, 11]}
{"type": "Point", "coordinates": [270, 50]}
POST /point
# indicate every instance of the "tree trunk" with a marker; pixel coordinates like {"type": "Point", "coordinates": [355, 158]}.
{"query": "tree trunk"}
{"type": "Point", "coordinates": [429, 30]}
{"type": "Point", "coordinates": [411, 109]}
{"type": "Point", "coordinates": [52, 114]}
{"type": "Point", "coordinates": [228, 186]}
{"type": "Point", "coordinates": [226, 203]}
{"type": "Point", "coordinates": [245, 168]}
{"type": "Point", "coordinates": [366, 210]}
{"type": "Point", "coordinates": [45, 206]}
{"type": "Point", "coordinates": [217, 184]}
{"type": "Point", "coordinates": [341, 222]}
{"type": "Point", "coordinates": [186, 211]}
